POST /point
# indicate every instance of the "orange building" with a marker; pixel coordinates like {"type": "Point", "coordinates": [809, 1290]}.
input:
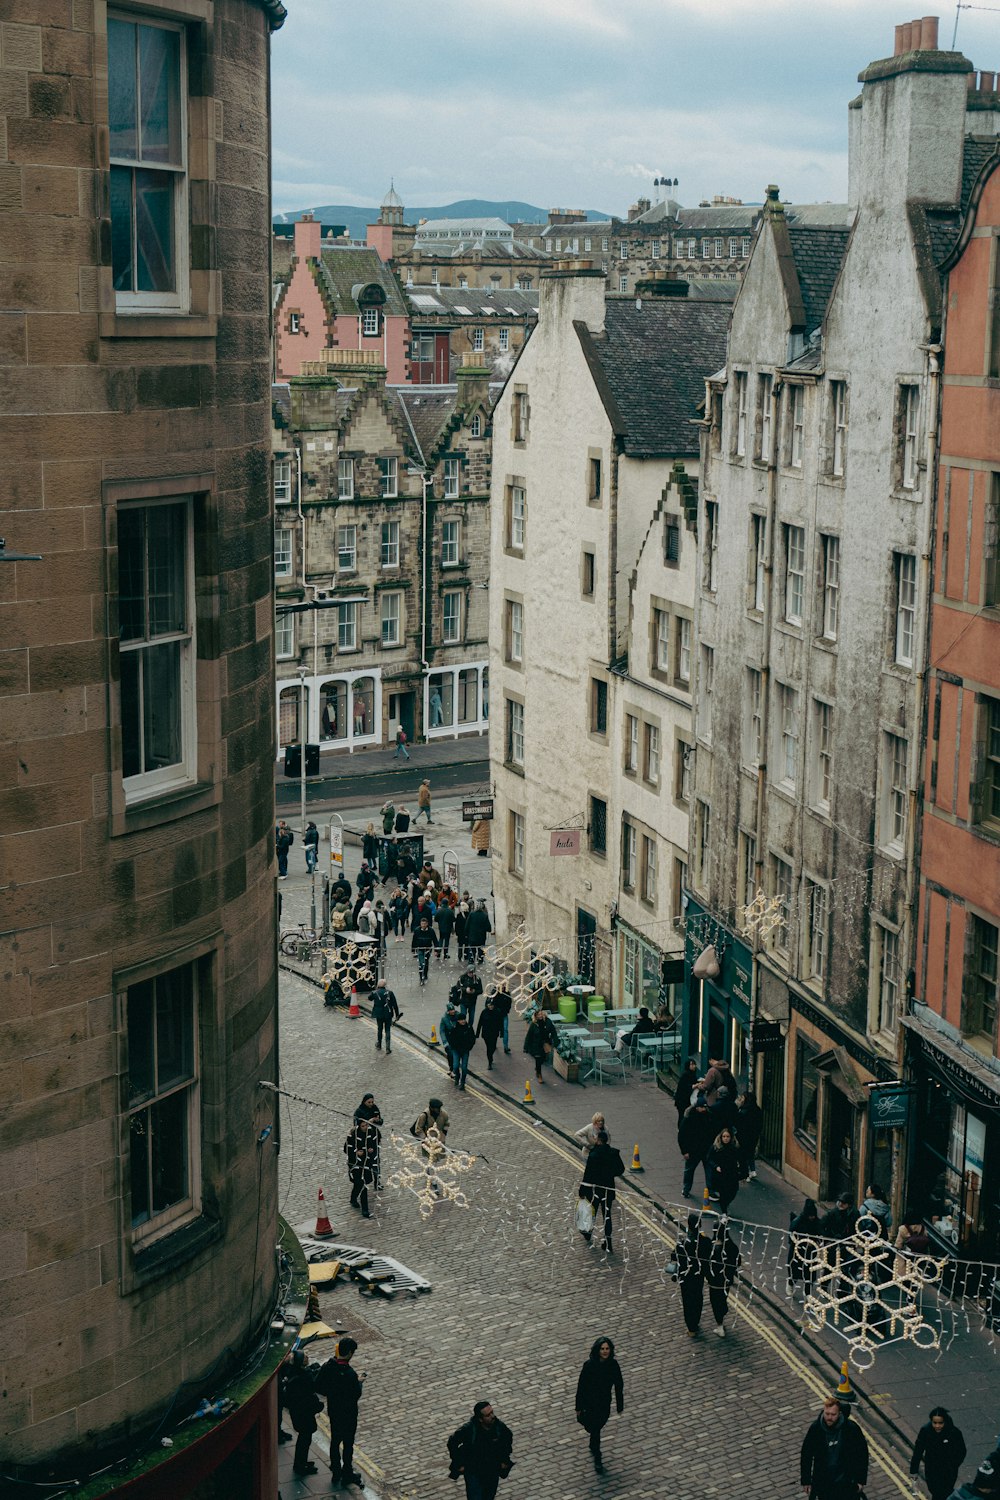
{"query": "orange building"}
{"type": "Point", "coordinates": [952, 1046]}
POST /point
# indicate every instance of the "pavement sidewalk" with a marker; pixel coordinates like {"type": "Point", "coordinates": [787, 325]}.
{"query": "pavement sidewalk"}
{"type": "Point", "coordinates": [904, 1384]}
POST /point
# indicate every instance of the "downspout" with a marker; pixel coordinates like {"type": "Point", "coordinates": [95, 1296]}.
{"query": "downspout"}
{"type": "Point", "coordinates": [613, 552]}
{"type": "Point", "coordinates": [425, 482]}
{"type": "Point", "coordinates": [302, 519]}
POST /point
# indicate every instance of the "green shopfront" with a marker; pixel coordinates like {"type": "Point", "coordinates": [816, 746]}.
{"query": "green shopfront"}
{"type": "Point", "coordinates": [717, 1011]}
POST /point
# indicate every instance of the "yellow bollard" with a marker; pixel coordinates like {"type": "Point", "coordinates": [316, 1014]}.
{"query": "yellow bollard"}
{"type": "Point", "coordinates": [529, 1097]}
{"type": "Point", "coordinates": [637, 1165]}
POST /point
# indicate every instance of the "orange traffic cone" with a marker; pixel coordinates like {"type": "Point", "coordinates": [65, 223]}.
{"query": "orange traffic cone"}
{"type": "Point", "coordinates": [434, 1036]}
{"type": "Point", "coordinates": [846, 1394]}
{"type": "Point", "coordinates": [323, 1226]}
{"type": "Point", "coordinates": [637, 1165]}
{"type": "Point", "coordinates": [529, 1097]}
{"type": "Point", "coordinates": [354, 1009]}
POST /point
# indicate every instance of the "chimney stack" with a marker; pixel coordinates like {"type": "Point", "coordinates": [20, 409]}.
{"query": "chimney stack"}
{"type": "Point", "coordinates": [916, 36]}
{"type": "Point", "coordinates": [308, 238]}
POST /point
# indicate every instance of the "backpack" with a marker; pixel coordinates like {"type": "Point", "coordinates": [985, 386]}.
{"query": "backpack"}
{"type": "Point", "coordinates": [338, 921]}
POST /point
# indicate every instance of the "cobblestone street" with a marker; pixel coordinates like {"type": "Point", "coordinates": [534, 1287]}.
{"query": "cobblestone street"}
{"type": "Point", "coordinates": [518, 1299]}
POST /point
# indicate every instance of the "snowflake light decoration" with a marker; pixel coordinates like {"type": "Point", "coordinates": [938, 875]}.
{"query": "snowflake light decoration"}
{"type": "Point", "coordinates": [428, 1170]}
{"type": "Point", "coordinates": [762, 916]}
{"type": "Point", "coordinates": [352, 963]}
{"type": "Point", "coordinates": [848, 1286]}
{"type": "Point", "coordinates": [524, 965]}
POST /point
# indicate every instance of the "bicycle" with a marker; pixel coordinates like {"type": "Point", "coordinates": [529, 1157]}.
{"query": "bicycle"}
{"type": "Point", "coordinates": [295, 939]}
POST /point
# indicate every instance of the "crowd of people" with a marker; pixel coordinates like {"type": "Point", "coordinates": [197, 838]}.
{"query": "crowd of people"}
{"type": "Point", "coordinates": [718, 1129]}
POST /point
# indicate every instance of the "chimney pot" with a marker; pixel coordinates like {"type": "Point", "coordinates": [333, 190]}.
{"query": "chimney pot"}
{"type": "Point", "coordinates": [929, 34]}
{"type": "Point", "coordinates": [987, 82]}
{"type": "Point", "coordinates": [898, 48]}
{"type": "Point", "coordinates": [905, 36]}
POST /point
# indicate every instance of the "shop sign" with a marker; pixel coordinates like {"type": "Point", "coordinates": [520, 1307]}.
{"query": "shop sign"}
{"type": "Point", "coordinates": [336, 847]}
{"type": "Point", "coordinates": [767, 1036]}
{"type": "Point", "coordinates": [889, 1108]}
{"type": "Point", "coordinates": [478, 811]}
{"type": "Point", "coordinates": [564, 841]}
{"type": "Point", "coordinates": [966, 1082]}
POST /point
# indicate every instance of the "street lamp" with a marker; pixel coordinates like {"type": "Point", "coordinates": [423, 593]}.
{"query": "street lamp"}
{"type": "Point", "coordinates": [6, 556]}
{"type": "Point", "coordinates": [303, 736]}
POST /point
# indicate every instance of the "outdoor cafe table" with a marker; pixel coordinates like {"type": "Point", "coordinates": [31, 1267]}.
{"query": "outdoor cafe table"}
{"type": "Point", "coordinates": [573, 1034]}
{"type": "Point", "coordinates": [660, 1042]}
{"type": "Point", "coordinates": [588, 1047]}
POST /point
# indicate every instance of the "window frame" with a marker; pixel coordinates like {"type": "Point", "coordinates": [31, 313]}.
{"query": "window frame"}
{"type": "Point", "coordinates": [905, 589]}
{"type": "Point", "coordinates": [514, 633]}
{"type": "Point", "coordinates": [795, 573]}
{"type": "Point", "coordinates": [347, 626]}
{"type": "Point", "coordinates": [517, 514]}
{"type": "Point", "coordinates": [741, 396]}
{"type": "Point", "coordinates": [805, 1094]}
{"type": "Point", "coordinates": [284, 626]}
{"type": "Point", "coordinates": [909, 435]}
{"type": "Point", "coordinates": [349, 531]}
{"type": "Point", "coordinates": [753, 738]}
{"type": "Point", "coordinates": [597, 805]}
{"type": "Point", "coordinates": [829, 625]}
{"type": "Point", "coordinates": [684, 636]}
{"type": "Point", "coordinates": [710, 566]}
{"type": "Point", "coordinates": [702, 841]}
{"type": "Point", "coordinates": [821, 778]}
{"type": "Point", "coordinates": [451, 542]}
{"type": "Point", "coordinates": [788, 736]}
{"type": "Point", "coordinates": [816, 929]}
{"type": "Point", "coordinates": [345, 478]}
{"type": "Point", "coordinates": [389, 472]}
{"type": "Point", "coordinates": [631, 757]}
{"type": "Point", "coordinates": [599, 707]}
{"type": "Point", "coordinates": [503, 340]}
{"type": "Point", "coordinates": [517, 843]}
{"type": "Point", "coordinates": [282, 481]}
{"type": "Point", "coordinates": [887, 977]}
{"type": "Point", "coordinates": [284, 553]}
{"type": "Point", "coordinates": [894, 809]}
{"type": "Point", "coordinates": [977, 976]}
{"type": "Point", "coordinates": [478, 340]}
{"type": "Point", "coordinates": [651, 753]}
{"type": "Point", "coordinates": [452, 636]}
{"type": "Point", "coordinates": [452, 478]}
{"type": "Point", "coordinates": [387, 599]}
{"type": "Point", "coordinates": [986, 765]}
{"type": "Point", "coordinates": [781, 879]}
{"type": "Point", "coordinates": [370, 323]}
{"type": "Point", "coordinates": [389, 545]}
{"type": "Point", "coordinates": [765, 426]}
{"type": "Point", "coordinates": [588, 564]}
{"type": "Point", "coordinates": [514, 732]}
{"type": "Point", "coordinates": [630, 844]}
{"type": "Point", "coordinates": [796, 425]}
{"type": "Point", "coordinates": [838, 436]}
{"type": "Point", "coordinates": [758, 561]}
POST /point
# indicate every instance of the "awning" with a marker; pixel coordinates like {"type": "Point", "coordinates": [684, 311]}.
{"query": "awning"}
{"type": "Point", "coordinates": [838, 1067]}
{"type": "Point", "coordinates": [956, 1064]}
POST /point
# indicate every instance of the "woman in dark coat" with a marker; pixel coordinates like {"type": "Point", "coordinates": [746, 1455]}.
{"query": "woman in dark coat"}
{"type": "Point", "coordinates": [601, 1374]}
{"type": "Point", "coordinates": [940, 1447]}
{"type": "Point", "coordinates": [685, 1088]}
{"type": "Point", "coordinates": [749, 1120]}
{"type": "Point", "coordinates": [539, 1040]}
{"type": "Point", "coordinates": [604, 1164]}
{"type": "Point", "coordinates": [369, 845]}
{"type": "Point", "coordinates": [477, 929]}
{"type": "Point", "coordinates": [806, 1221]}
{"type": "Point", "coordinates": [361, 1148]}
{"type": "Point", "coordinates": [369, 1111]}
{"type": "Point", "coordinates": [724, 1169]}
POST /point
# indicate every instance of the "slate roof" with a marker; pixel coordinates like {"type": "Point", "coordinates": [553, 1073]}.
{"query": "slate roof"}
{"type": "Point", "coordinates": [650, 365]}
{"type": "Point", "coordinates": [425, 412]}
{"type": "Point", "coordinates": [818, 256]}
{"type": "Point", "coordinates": [463, 228]}
{"type": "Point", "coordinates": [342, 269]}
{"type": "Point", "coordinates": [742, 217]}
{"type": "Point", "coordinates": [281, 404]}
{"type": "Point", "coordinates": [705, 289]}
{"type": "Point", "coordinates": [471, 302]}
{"type": "Point", "coordinates": [487, 249]}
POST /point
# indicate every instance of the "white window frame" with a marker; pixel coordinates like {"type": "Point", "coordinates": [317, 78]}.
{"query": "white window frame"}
{"type": "Point", "coordinates": [347, 547]}
{"type": "Point", "coordinates": [822, 755]}
{"type": "Point", "coordinates": [503, 340]}
{"type": "Point", "coordinates": [517, 843]}
{"type": "Point", "coordinates": [389, 471]}
{"type": "Point", "coordinates": [654, 250]}
{"type": "Point", "coordinates": [788, 735]}
{"type": "Point", "coordinates": [451, 617]}
{"type": "Point", "coordinates": [347, 626]}
{"type": "Point", "coordinates": [623, 283]}
{"type": "Point", "coordinates": [345, 478]}
{"type": "Point", "coordinates": [905, 569]}
{"type": "Point", "coordinates": [515, 630]}
{"type": "Point", "coordinates": [745, 247]}
{"type": "Point", "coordinates": [886, 974]}
{"type": "Point", "coordinates": [740, 396]}
{"type": "Point", "coordinates": [284, 552]}
{"type": "Point", "coordinates": [177, 299]}
{"type": "Point", "coordinates": [796, 425]}
{"type": "Point", "coordinates": [895, 792]}
{"type": "Point", "coordinates": [910, 424]}
{"type": "Point", "coordinates": [623, 250]}
{"type": "Point", "coordinates": [759, 558]}
{"type": "Point", "coordinates": [839, 397]}
{"type": "Point", "coordinates": [748, 867]}
{"type": "Point", "coordinates": [629, 850]}
{"type": "Point", "coordinates": [515, 732]}
{"type": "Point", "coordinates": [734, 247]}
{"type": "Point", "coordinates": [703, 842]}
{"type": "Point", "coordinates": [282, 481]}
{"type": "Point", "coordinates": [710, 574]}
{"type": "Point", "coordinates": [649, 869]}
{"type": "Point", "coordinates": [661, 639]}
{"type": "Point", "coordinates": [451, 543]}
{"type": "Point", "coordinates": [284, 635]}
{"type": "Point", "coordinates": [765, 398]}
{"type": "Point", "coordinates": [816, 931]}
{"type": "Point", "coordinates": [478, 340]}
{"type": "Point", "coordinates": [476, 426]}
{"type": "Point", "coordinates": [781, 881]}
{"type": "Point", "coordinates": [830, 623]}
{"type": "Point", "coordinates": [795, 573]}
{"type": "Point", "coordinates": [389, 545]}
{"type": "Point", "coordinates": [604, 245]}
{"type": "Point", "coordinates": [518, 510]}
{"type": "Point", "coordinates": [390, 612]}
{"type": "Point", "coordinates": [754, 719]}
{"type": "Point", "coordinates": [651, 754]}
{"type": "Point", "coordinates": [293, 322]}
{"type": "Point", "coordinates": [165, 778]}
{"type": "Point", "coordinates": [369, 322]}
{"type": "Point", "coordinates": [684, 634]}
{"type": "Point", "coordinates": [720, 246]}
{"type": "Point", "coordinates": [632, 742]}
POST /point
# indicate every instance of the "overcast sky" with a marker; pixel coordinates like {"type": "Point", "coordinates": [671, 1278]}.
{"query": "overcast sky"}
{"type": "Point", "coordinates": [577, 103]}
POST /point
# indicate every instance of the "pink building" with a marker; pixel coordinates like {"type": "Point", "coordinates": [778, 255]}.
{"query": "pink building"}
{"type": "Point", "coordinates": [339, 297]}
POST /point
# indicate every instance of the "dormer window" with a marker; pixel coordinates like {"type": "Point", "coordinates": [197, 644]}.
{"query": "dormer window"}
{"type": "Point", "coordinates": [476, 427]}
{"type": "Point", "coordinates": [369, 322]}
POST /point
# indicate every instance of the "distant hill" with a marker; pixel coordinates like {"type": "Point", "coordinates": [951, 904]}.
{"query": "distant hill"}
{"type": "Point", "coordinates": [357, 219]}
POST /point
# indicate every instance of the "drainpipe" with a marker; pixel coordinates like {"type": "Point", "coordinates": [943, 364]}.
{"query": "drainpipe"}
{"type": "Point", "coordinates": [298, 506]}
{"type": "Point", "coordinates": [426, 482]}
{"type": "Point", "coordinates": [613, 552]}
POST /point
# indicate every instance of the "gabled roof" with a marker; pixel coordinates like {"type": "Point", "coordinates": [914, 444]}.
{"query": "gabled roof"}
{"type": "Point", "coordinates": [471, 302]}
{"type": "Point", "coordinates": [281, 404]}
{"type": "Point", "coordinates": [940, 230]}
{"type": "Point", "coordinates": [343, 270]}
{"type": "Point", "coordinates": [649, 365]}
{"type": "Point", "coordinates": [818, 255]}
{"type": "Point", "coordinates": [425, 412]}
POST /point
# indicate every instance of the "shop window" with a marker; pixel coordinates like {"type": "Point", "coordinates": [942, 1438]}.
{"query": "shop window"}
{"type": "Point", "coordinates": [333, 715]}
{"type": "Point", "coordinates": [806, 1094]}
{"type": "Point", "coordinates": [954, 1145]}
{"type": "Point", "coordinates": [363, 706]}
{"type": "Point", "coordinates": [982, 976]}
{"type": "Point", "coordinates": [441, 700]}
{"type": "Point", "coordinates": [468, 695]}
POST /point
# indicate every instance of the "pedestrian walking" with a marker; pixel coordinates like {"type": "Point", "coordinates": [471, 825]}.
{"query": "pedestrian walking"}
{"type": "Point", "coordinates": [703, 1261]}
{"type": "Point", "coordinates": [423, 802]}
{"type": "Point", "coordinates": [388, 815]}
{"type": "Point", "coordinates": [749, 1122]}
{"type": "Point", "coordinates": [805, 1222]}
{"type": "Point", "coordinates": [446, 1030]}
{"type": "Point", "coordinates": [434, 1117]}
{"type": "Point", "coordinates": [604, 1164]}
{"type": "Point", "coordinates": [343, 1389]}
{"type": "Point", "coordinates": [684, 1091]}
{"type": "Point", "coordinates": [489, 1028]}
{"type": "Point", "coordinates": [284, 838]}
{"type": "Point", "coordinates": [838, 1223]}
{"type": "Point", "coordinates": [461, 922]}
{"type": "Point", "coordinates": [463, 1039]}
{"type": "Point", "coordinates": [834, 1461]}
{"type": "Point", "coordinates": [361, 1149]}
{"type": "Point", "coordinates": [719, 1076]}
{"type": "Point", "coordinates": [587, 1134]}
{"type": "Point", "coordinates": [470, 987]}
{"type": "Point", "coordinates": [940, 1447]}
{"type": "Point", "coordinates": [502, 1003]}
{"type": "Point", "coordinates": [385, 1009]}
{"type": "Point", "coordinates": [380, 923]}
{"type": "Point", "coordinates": [874, 1203]}
{"type": "Point", "coordinates": [403, 820]}
{"type": "Point", "coordinates": [369, 845]}
{"type": "Point", "coordinates": [401, 749]}
{"type": "Point", "coordinates": [366, 880]}
{"type": "Point", "coordinates": [422, 944]}
{"type": "Point", "coordinates": [445, 918]}
{"type": "Point", "coordinates": [539, 1040]}
{"type": "Point", "coordinates": [477, 929]}
{"type": "Point", "coordinates": [723, 1110]}
{"type": "Point", "coordinates": [399, 912]}
{"type": "Point", "coordinates": [600, 1377]}
{"type": "Point", "coordinates": [310, 847]}
{"type": "Point", "coordinates": [723, 1169]}
{"type": "Point", "coordinates": [302, 1404]}
{"type": "Point", "coordinates": [480, 1453]}
{"type": "Point", "coordinates": [695, 1136]}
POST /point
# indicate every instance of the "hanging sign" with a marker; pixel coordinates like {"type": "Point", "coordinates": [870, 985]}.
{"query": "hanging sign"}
{"type": "Point", "coordinates": [889, 1108]}
{"type": "Point", "coordinates": [564, 841]}
{"type": "Point", "coordinates": [478, 811]}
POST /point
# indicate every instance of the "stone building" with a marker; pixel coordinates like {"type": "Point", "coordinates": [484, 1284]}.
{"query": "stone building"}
{"type": "Point", "coordinates": [952, 1054]}
{"type": "Point", "coordinates": [592, 584]}
{"type": "Point", "coordinates": [137, 910]}
{"type": "Point", "coordinates": [338, 296]}
{"type": "Point", "coordinates": [483, 253]}
{"type": "Point", "coordinates": [811, 619]}
{"type": "Point", "coordinates": [449, 325]}
{"type": "Point", "coordinates": [381, 533]}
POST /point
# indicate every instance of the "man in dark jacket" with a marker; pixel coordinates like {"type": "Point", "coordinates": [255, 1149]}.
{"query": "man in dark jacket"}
{"type": "Point", "coordinates": [284, 838]}
{"type": "Point", "coordinates": [539, 1040]}
{"type": "Point", "coordinates": [723, 1111]}
{"type": "Point", "coordinates": [477, 928]}
{"type": "Point", "coordinates": [423, 944]}
{"type": "Point", "coordinates": [940, 1447]}
{"type": "Point", "coordinates": [310, 846]}
{"type": "Point", "coordinates": [463, 1039]}
{"type": "Point", "coordinates": [470, 987]}
{"type": "Point", "coordinates": [834, 1459]}
{"type": "Point", "coordinates": [489, 1028]}
{"type": "Point", "coordinates": [695, 1136]}
{"type": "Point", "coordinates": [840, 1221]}
{"type": "Point", "coordinates": [480, 1452]}
{"type": "Point", "coordinates": [604, 1164]}
{"type": "Point", "coordinates": [446, 925]}
{"type": "Point", "coordinates": [340, 890]}
{"type": "Point", "coordinates": [302, 1403]}
{"type": "Point", "coordinates": [385, 1009]}
{"type": "Point", "coordinates": [342, 1388]}
{"type": "Point", "coordinates": [501, 1004]}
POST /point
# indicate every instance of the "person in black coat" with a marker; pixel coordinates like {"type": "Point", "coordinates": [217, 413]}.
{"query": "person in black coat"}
{"type": "Point", "coordinates": [749, 1122]}
{"type": "Point", "coordinates": [302, 1404]}
{"type": "Point", "coordinates": [685, 1088]}
{"type": "Point", "coordinates": [601, 1374]}
{"type": "Point", "coordinates": [604, 1164]}
{"type": "Point", "coordinates": [833, 1464]}
{"type": "Point", "coordinates": [463, 1039]}
{"type": "Point", "coordinates": [342, 1388]}
{"type": "Point", "coordinates": [480, 1452]}
{"type": "Point", "coordinates": [470, 987]}
{"type": "Point", "coordinates": [703, 1260]}
{"type": "Point", "coordinates": [445, 919]}
{"type": "Point", "coordinates": [361, 1148]}
{"type": "Point", "coordinates": [501, 1004]}
{"type": "Point", "coordinates": [489, 1028]}
{"type": "Point", "coordinates": [723, 1110]}
{"type": "Point", "coordinates": [806, 1221]}
{"type": "Point", "coordinates": [422, 944]}
{"type": "Point", "coordinates": [477, 929]}
{"type": "Point", "coordinates": [695, 1136]}
{"type": "Point", "coordinates": [940, 1447]}
{"type": "Point", "coordinates": [539, 1040]}
{"type": "Point", "coordinates": [723, 1169]}
{"type": "Point", "coordinates": [385, 1009]}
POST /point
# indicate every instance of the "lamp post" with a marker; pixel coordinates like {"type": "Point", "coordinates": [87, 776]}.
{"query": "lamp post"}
{"type": "Point", "coordinates": [302, 752]}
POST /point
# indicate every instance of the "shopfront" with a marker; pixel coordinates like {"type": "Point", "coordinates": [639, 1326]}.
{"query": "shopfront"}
{"type": "Point", "coordinates": [457, 700]}
{"type": "Point", "coordinates": [343, 710]}
{"type": "Point", "coordinates": [954, 1171]}
{"type": "Point", "coordinates": [717, 1009]}
{"type": "Point", "coordinates": [646, 976]}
